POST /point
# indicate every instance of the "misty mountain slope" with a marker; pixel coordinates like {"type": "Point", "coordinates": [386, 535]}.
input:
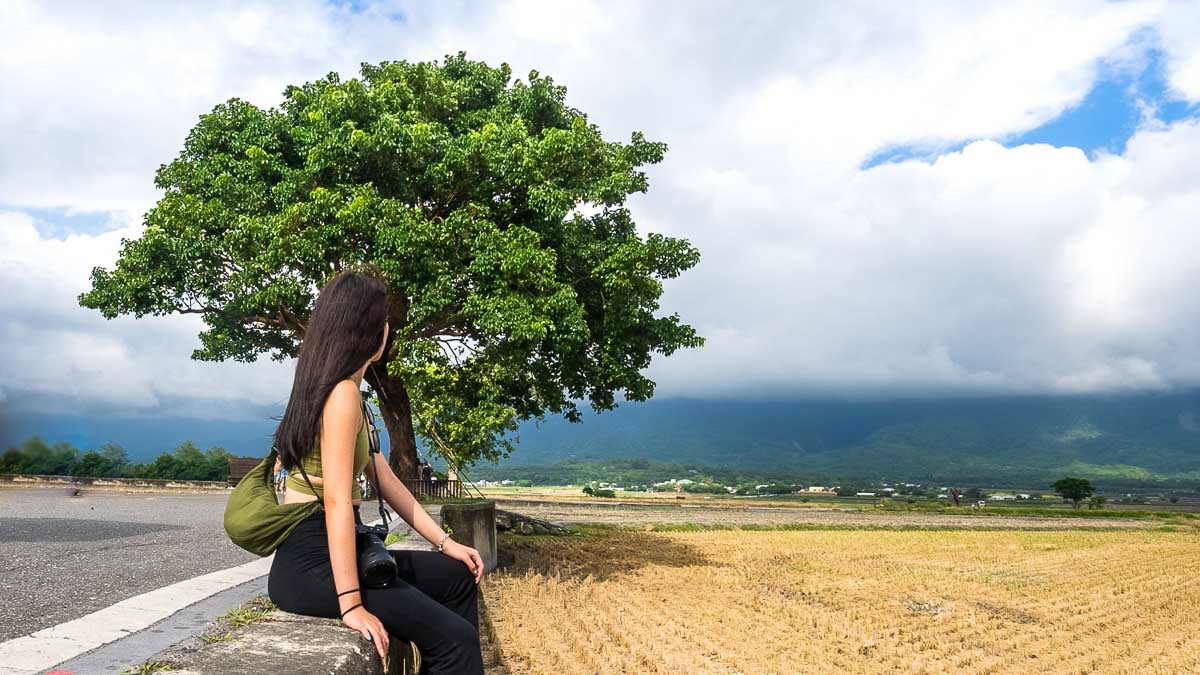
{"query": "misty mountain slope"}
{"type": "Point", "coordinates": [977, 439]}
{"type": "Point", "coordinates": [981, 439]}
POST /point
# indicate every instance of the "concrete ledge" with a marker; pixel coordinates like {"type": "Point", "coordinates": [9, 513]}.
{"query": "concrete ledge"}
{"type": "Point", "coordinates": [283, 642]}
{"type": "Point", "coordinates": [474, 524]}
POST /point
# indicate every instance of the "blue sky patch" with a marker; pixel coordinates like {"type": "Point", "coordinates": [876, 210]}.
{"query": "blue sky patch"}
{"type": "Point", "coordinates": [359, 6]}
{"type": "Point", "coordinates": [57, 223]}
{"type": "Point", "coordinates": [1103, 121]}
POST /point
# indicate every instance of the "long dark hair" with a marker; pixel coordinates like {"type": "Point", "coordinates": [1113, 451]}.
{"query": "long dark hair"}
{"type": "Point", "coordinates": [345, 329]}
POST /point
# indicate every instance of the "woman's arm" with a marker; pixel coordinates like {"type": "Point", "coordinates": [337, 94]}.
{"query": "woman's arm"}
{"type": "Point", "coordinates": [397, 495]}
{"type": "Point", "coordinates": [339, 434]}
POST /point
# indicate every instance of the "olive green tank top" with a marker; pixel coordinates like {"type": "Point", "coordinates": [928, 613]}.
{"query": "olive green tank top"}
{"type": "Point", "coordinates": [312, 466]}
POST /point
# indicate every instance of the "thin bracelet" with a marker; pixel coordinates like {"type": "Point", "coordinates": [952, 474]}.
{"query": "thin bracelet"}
{"type": "Point", "coordinates": [443, 541]}
{"type": "Point", "coordinates": [345, 592]}
{"type": "Point", "coordinates": [352, 608]}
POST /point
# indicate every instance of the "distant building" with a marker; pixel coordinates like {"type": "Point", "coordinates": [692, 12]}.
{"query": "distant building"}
{"type": "Point", "coordinates": [889, 489]}
{"type": "Point", "coordinates": [494, 483]}
{"type": "Point", "coordinates": [819, 488]}
{"type": "Point", "coordinates": [864, 494]}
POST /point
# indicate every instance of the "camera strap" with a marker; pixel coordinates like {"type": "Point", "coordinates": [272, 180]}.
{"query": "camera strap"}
{"type": "Point", "coordinates": [373, 442]}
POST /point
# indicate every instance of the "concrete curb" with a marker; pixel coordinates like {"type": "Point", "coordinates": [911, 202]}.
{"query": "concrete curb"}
{"type": "Point", "coordinates": [109, 627]}
{"type": "Point", "coordinates": [44, 648]}
{"type": "Point", "coordinates": [283, 642]}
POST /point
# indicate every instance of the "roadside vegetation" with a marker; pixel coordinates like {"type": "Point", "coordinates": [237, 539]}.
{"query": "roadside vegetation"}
{"type": "Point", "coordinates": [185, 462]}
{"type": "Point", "coordinates": [251, 612]}
{"type": "Point", "coordinates": [149, 667]}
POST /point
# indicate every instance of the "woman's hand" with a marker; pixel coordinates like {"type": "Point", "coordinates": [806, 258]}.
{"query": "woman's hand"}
{"type": "Point", "coordinates": [371, 628]}
{"type": "Point", "coordinates": [468, 555]}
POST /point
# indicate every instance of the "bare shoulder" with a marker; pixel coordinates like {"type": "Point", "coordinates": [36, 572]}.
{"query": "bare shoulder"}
{"type": "Point", "coordinates": [342, 413]}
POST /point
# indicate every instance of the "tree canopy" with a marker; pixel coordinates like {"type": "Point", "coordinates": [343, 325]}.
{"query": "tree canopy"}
{"type": "Point", "coordinates": [1074, 489]}
{"type": "Point", "coordinates": [494, 211]}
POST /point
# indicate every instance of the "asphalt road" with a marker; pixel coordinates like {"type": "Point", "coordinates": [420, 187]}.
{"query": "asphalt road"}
{"type": "Point", "coordinates": [63, 557]}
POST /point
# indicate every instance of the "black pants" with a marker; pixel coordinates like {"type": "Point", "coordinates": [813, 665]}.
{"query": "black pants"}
{"type": "Point", "coordinates": [434, 601]}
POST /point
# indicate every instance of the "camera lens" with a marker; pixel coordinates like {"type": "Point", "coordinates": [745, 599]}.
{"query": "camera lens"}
{"type": "Point", "coordinates": [375, 563]}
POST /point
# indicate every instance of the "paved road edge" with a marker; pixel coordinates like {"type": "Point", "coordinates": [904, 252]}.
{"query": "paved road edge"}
{"type": "Point", "coordinates": [45, 648]}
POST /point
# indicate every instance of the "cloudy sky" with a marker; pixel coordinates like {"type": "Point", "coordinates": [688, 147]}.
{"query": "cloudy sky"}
{"type": "Point", "coordinates": [966, 198]}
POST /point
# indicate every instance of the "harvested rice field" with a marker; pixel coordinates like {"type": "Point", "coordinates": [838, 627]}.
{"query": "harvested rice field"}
{"type": "Point", "coordinates": [617, 600]}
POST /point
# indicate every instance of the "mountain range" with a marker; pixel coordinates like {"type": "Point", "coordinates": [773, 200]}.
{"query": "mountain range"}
{"type": "Point", "coordinates": [1016, 440]}
{"type": "Point", "coordinates": [1116, 439]}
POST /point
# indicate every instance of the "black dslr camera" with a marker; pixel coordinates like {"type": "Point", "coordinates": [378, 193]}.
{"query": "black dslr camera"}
{"type": "Point", "coordinates": [376, 567]}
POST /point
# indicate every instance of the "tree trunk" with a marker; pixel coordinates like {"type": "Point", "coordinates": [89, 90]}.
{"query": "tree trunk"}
{"type": "Point", "coordinates": [396, 410]}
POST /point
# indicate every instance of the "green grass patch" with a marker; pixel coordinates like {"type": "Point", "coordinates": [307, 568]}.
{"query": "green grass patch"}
{"type": "Point", "coordinates": [1034, 511]}
{"type": "Point", "coordinates": [248, 613]}
{"type": "Point", "coordinates": [394, 537]}
{"type": "Point", "coordinates": [151, 666]}
{"type": "Point", "coordinates": [252, 612]}
{"type": "Point", "coordinates": [583, 529]}
{"type": "Point", "coordinates": [223, 636]}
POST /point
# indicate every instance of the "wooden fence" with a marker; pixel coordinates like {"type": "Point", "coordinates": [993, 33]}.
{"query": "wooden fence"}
{"type": "Point", "coordinates": [240, 466]}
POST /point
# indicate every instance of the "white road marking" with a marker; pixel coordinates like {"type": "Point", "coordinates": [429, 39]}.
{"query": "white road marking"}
{"type": "Point", "coordinates": [44, 648]}
{"type": "Point", "coordinates": [48, 647]}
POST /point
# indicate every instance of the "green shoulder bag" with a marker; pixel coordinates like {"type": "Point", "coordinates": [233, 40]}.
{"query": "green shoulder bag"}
{"type": "Point", "coordinates": [254, 518]}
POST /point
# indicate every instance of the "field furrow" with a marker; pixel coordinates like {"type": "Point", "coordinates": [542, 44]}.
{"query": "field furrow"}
{"type": "Point", "coordinates": [735, 601]}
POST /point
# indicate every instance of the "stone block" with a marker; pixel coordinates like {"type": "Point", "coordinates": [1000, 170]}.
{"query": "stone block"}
{"type": "Point", "coordinates": [474, 524]}
{"type": "Point", "coordinates": [292, 643]}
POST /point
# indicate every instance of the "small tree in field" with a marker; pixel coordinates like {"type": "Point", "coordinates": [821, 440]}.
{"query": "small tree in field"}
{"type": "Point", "coordinates": [517, 281]}
{"type": "Point", "coordinates": [1074, 489]}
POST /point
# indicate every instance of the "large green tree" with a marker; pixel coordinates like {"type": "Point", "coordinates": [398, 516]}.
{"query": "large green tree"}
{"type": "Point", "coordinates": [1074, 489]}
{"type": "Point", "coordinates": [495, 212]}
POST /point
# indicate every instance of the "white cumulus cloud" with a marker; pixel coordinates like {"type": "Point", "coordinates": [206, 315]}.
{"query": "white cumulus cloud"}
{"type": "Point", "coordinates": [984, 269]}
